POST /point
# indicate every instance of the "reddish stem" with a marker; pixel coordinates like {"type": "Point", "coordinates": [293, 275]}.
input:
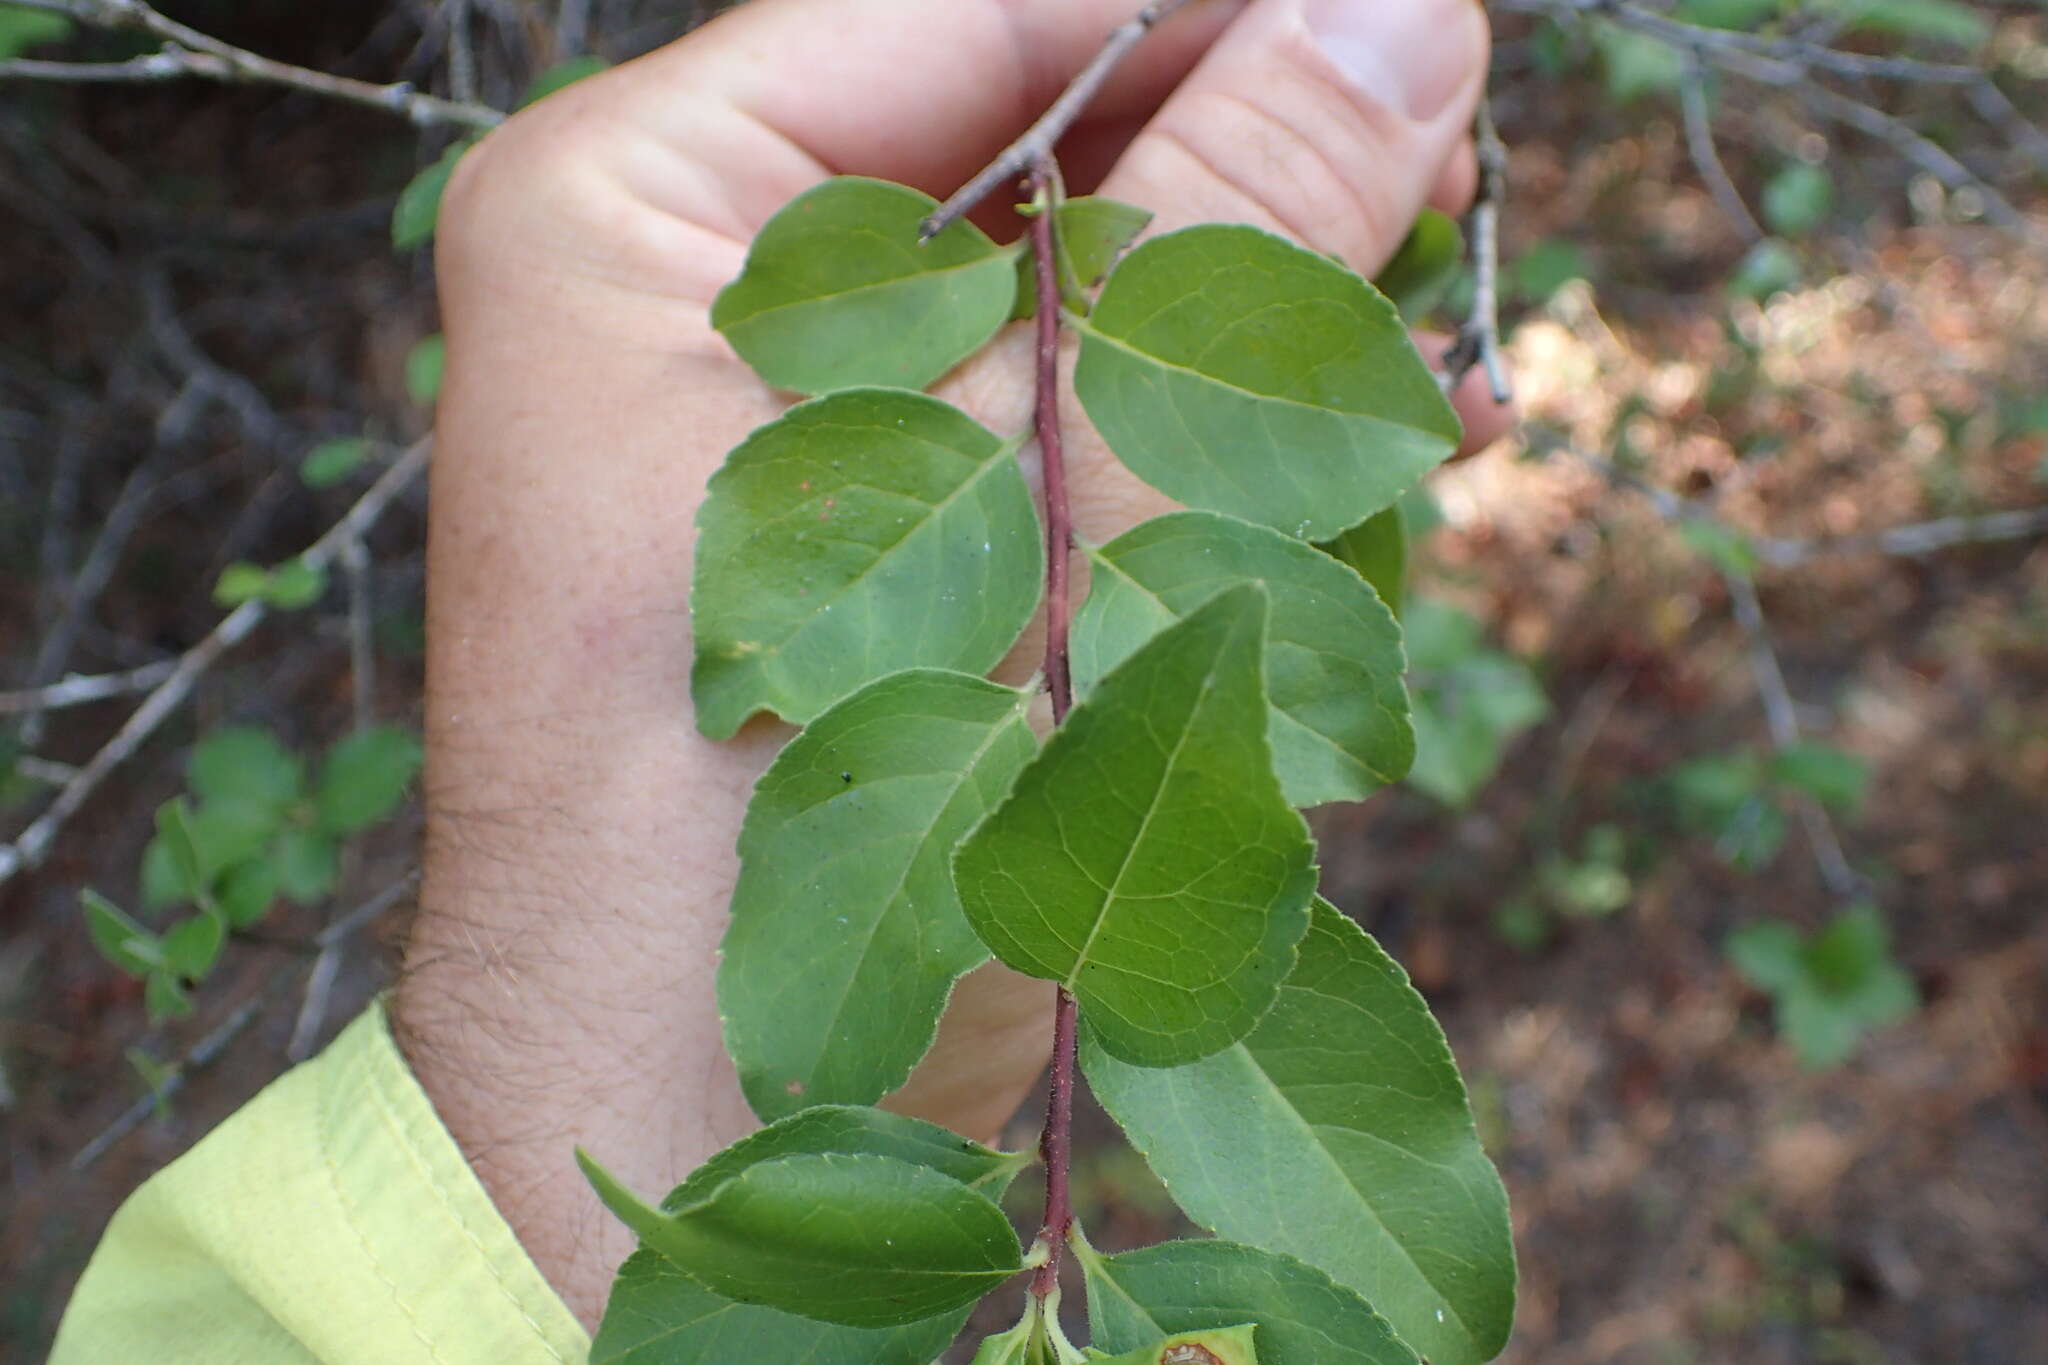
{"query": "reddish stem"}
{"type": "Point", "coordinates": [1056, 1146]}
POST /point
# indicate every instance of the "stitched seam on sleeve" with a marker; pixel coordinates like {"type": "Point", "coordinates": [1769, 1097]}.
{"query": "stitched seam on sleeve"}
{"type": "Point", "coordinates": [388, 1111]}
{"type": "Point", "coordinates": [351, 1217]}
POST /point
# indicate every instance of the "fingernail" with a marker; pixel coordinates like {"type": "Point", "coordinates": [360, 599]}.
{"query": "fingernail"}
{"type": "Point", "coordinates": [1411, 55]}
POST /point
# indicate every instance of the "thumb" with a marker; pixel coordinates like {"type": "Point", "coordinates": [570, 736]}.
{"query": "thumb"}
{"type": "Point", "coordinates": [1329, 121]}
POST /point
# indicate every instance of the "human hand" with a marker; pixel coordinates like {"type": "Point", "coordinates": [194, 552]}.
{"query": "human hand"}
{"type": "Point", "coordinates": [559, 986]}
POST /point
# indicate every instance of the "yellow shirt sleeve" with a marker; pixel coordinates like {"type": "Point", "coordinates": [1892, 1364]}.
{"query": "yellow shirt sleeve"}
{"type": "Point", "coordinates": [332, 1220]}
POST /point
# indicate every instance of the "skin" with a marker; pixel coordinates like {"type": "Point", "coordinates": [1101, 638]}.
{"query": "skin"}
{"type": "Point", "coordinates": [558, 988]}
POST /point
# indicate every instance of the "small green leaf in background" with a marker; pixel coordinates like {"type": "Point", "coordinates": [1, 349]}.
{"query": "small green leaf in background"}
{"type": "Point", "coordinates": [1377, 550]}
{"type": "Point", "coordinates": [290, 586]}
{"type": "Point", "coordinates": [837, 293]}
{"type": "Point", "coordinates": [1421, 272]}
{"type": "Point", "coordinates": [22, 29]}
{"type": "Point", "coordinates": [1339, 713]}
{"type": "Point", "coordinates": [330, 462]}
{"type": "Point", "coordinates": [1771, 267]}
{"type": "Point", "coordinates": [424, 364]}
{"type": "Point", "coordinates": [1834, 777]}
{"type": "Point", "coordinates": [561, 76]}
{"type": "Point", "coordinates": [864, 1241]}
{"type": "Point", "coordinates": [418, 210]}
{"type": "Point", "coordinates": [304, 865]}
{"type": "Point", "coordinates": [364, 778]}
{"type": "Point", "coordinates": [1831, 990]}
{"type": "Point", "coordinates": [846, 935]}
{"type": "Point", "coordinates": [121, 941]}
{"type": "Point", "coordinates": [1742, 15]}
{"type": "Point", "coordinates": [1636, 64]}
{"type": "Point", "coordinates": [1239, 373]}
{"type": "Point", "coordinates": [1346, 1096]}
{"type": "Point", "coordinates": [1546, 267]}
{"type": "Point", "coordinates": [1215, 1346]}
{"type": "Point", "coordinates": [1147, 859]}
{"type": "Point", "coordinates": [1469, 701]}
{"type": "Point", "coordinates": [245, 763]}
{"type": "Point", "coordinates": [1724, 547]}
{"type": "Point", "coordinates": [861, 533]}
{"type": "Point", "coordinates": [1939, 21]}
{"type": "Point", "coordinates": [174, 828]}
{"type": "Point", "coordinates": [248, 892]}
{"type": "Point", "coordinates": [191, 948]}
{"type": "Point", "coordinates": [1729, 799]}
{"type": "Point", "coordinates": [1091, 233]}
{"type": "Point", "coordinates": [164, 997]}
{"type": "Point", "coordinates": [1798, 199]}
{"type": "Point", "coordinates": [1303, 1317]}
{"type": "Point", "coordinates": [156, 1078]}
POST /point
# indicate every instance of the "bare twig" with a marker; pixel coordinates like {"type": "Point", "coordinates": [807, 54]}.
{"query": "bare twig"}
{"type": "Point", "coordinates": [1908, 542]}
{"type": "Point", "coordinates": [1706, 157]}
{"type": "Point", "coordinates": [461, 51]}
{"type": "Point", "coordinates": [362, 653]}
{"type": "Point", "coordinates": [209, 1048]}
{"type": "Point", "coordinates": [1036, 146]}
{"type": "Point", "coordinates": [572, 28]}
{"type": "Point", "coordinates": [1478, 341]}
{"type": "Point", "coordinates": [188, 52]}
{"type": "Point", "coordinates": [33, 844]}
{"type": "Point", "coordinates": [83, 689]}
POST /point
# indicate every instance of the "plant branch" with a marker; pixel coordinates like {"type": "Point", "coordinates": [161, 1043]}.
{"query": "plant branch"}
{"type": "Point", "coordinates": [1056, 1146]}
{"type": "Point", "coordinates": [33, 844]}
{"type": "Point", "coordinates": [190, 53]}
{"type": "Point", "coordinates": [1478, 341]}
{"type": "Point", "coordinates": [1911, 541]}
{"type": "Point", "coordinates": [83, 689]}
{"type": "Point", "coordinates": [1035, 148]}
{"type": "Point", "coordinates": [1706, 156]}
{"type": "Point", "coordinates": [209, 1048]}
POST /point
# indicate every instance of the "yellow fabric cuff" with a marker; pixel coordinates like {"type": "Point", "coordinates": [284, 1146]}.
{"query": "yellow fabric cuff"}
{"type": "Point", "coordinates": [332, 1220]}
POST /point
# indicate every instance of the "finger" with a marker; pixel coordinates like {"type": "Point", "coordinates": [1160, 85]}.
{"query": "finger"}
{"type": "Point", "coordinates": [850, 87]}
{"type": "Point", "coordinates": [1458, 183]}
{"type": "Point", "coordinates": [1330, 121]}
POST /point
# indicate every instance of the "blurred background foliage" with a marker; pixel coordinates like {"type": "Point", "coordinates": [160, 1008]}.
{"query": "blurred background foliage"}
{"type": "Point", "coordinates": [1722, 857]}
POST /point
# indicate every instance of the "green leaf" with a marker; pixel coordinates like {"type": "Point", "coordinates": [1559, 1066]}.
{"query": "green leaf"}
{"type": "Point", "coordinates": [1833, 989]}
{"type": "Point", "coordinates": [1347, 1094]}
{"type": "Point", "coordinates": [156, 1078]}
{"type": "Point", "coordinates": [1339, 711]}
{"type": "Point", "coordinates": [1798, 199]}
{"type": "Point", "coordinates": [1377, 550]}
{"type": "Point", "coordinates": [660, 1316]}
{"type": "Point", "coordinates": [1770, 267]}
{"type": "Point", "coordinates": [120, 939]}
{"type": "Point", "coordinates": [865, 1241]}
{"type": "Point", "coordinates": [837, 293]}
{"type": "Point", "coordinates": [1421, 272]}
{"type": "Point", "coordinates": [1636, 64]}
{"type": "Point", "coordinates": [1215, 1346]}
{"type": "Point", "coordinates": [364, 778]}
{"type": "Point", "coordinates": [164, 997]}
{"type": "Point", "coordinates": [1469, 702]}
{"type": "Point", "coordinates": [561, 76]}
{"type": "Point", "coordinates": [246, 764]}
{"type": "Point", "coordinates": [22, 29]}
{"type": "Point", "coordinates": [304, 865]}
{"type": "Point", "coordinates": [1545, 268]}
{"type": "Point", "coordinates": [1726, 548]}
{"type": "Point", "coordinates": [1091, 233]}
{"type": "Point", "coordinates": [1834, 777]}
{"type": "Point", "coordinates": [1304, 1317]}
{"type": "Point", "coordinates": [846, 935]}
{"type": "Point", "coordinates": [1146, 859]}
{"type": "Point", "coordinates": [1239, 373]}
{"type": "Point", "coordinates": [424, 364]}
{"type": "Point", "coordinates": [295, 584]}
{"type": "Point", "coordinates": [330, 462]}
{"type": "Point", "coordinates": [191, 948]}
{"type": "Point", "coordinates": [418, 209]}
{"type": "Point", "coordinates": [848, 1130]}
{"type": "Point", "coordinates": [858, 534]}
{"type": "Point", "coordinates": [1942, 21]}
{"type": "Point", "coordinates": [247, 893]}
{"type": "Point", "coordinates": [240, 582]}
{"type": "Point", "coordinates": [174, 828]}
